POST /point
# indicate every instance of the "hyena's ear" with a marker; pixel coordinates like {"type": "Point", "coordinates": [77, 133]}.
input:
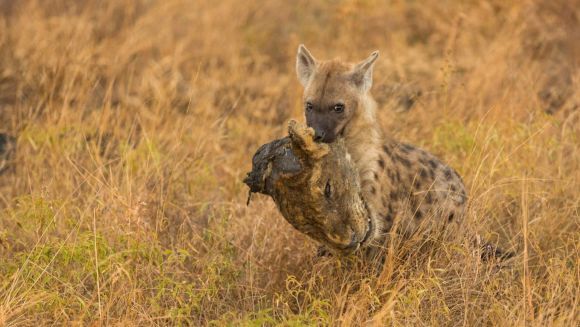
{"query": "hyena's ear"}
{"type": "Point", "coordinates": [362, 74]}
{"type": "Point", "coordinates": [305, 64]}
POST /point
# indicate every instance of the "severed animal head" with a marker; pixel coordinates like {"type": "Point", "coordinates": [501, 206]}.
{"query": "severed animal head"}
{"type": "Point", "coordinates": [315, 186]}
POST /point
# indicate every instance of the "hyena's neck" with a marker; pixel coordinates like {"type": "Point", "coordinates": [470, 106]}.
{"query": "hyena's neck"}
{"type": "Point", "coordinates": [363, 135]}
{"type": "Point", "coordinates": [363, 140]}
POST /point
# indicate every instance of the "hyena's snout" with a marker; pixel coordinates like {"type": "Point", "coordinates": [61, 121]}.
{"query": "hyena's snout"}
{"type": "Point", "coordinates": [319, 135]}
{"type": "Point", "coordinates": [323, 133]}
{"type": "Point", "coordinates": [323, 129]}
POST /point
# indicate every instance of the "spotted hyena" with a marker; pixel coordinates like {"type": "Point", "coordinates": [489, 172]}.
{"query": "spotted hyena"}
{"type": "Point", "coordinates": [400, 183]}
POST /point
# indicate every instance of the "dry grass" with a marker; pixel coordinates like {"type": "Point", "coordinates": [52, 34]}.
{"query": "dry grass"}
{"type": "Point", "coordinates": [135, 122]}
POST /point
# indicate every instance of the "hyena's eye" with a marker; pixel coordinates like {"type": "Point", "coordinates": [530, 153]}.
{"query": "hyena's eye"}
{"type": "Point", "coordinates": [308, 106]}
{"type": "Point", "coordinates": [338, 108]}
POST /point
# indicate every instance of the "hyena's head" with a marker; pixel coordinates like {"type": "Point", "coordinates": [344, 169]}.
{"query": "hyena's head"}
{"type": "Point", "coordinates": [333, 92]}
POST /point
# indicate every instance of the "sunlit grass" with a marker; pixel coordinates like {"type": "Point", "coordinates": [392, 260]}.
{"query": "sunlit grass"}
{"type": "Point", "coordinates": [135, 123]}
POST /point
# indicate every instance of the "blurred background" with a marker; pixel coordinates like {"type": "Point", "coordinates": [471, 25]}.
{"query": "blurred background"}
{"type": "Point", "coordinates": [126, 128]}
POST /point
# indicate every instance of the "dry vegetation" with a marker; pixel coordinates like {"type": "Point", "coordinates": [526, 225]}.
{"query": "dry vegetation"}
{"type": "Point", "coordinates": [134, 122]}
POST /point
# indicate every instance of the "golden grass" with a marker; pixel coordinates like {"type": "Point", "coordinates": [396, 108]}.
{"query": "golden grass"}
{"type": "Point", "coordinates": [135, 122]}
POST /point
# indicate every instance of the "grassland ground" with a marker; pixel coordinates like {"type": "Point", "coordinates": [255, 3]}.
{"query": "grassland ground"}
{"type": "Point", "coordinates": [128, 127]}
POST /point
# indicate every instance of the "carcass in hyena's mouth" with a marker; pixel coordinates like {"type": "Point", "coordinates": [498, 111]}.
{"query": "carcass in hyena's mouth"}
{"type": "Point", "coordinates": [315, 187]}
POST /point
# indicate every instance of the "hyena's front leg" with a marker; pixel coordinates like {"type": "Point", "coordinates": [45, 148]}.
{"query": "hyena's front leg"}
{"type": "Point", "coordinates": [380, 204]}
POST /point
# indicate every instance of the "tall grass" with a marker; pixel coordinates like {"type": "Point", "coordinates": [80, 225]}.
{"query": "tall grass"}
{"type": "Point", "coordinates": [135, 122]}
